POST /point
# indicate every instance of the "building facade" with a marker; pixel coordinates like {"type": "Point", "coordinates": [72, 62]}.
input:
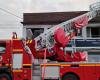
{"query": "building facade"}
{"type": "Point", "coordinates": [88, 39]}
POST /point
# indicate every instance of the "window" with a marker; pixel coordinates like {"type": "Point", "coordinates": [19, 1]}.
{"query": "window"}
{"type": "Point", "coordinates": [34, 32]}
{"type": "Point", "coordinates": [37, 31]}
{"type": "Point", "coordinates": [79, 32]}
{"type": "Point", "coordinates": [2, 47]}
{"type": "Point", "coordinates": [88, 30]}
{"type": "Point", "coordinates": [93, 32]}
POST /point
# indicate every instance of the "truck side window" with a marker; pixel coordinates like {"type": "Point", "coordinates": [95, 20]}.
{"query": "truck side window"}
{"type": "Point", "coordinates": [2, 47]}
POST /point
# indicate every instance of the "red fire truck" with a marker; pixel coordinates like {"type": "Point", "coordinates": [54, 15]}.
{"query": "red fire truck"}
{"type": "Point", "coordinates": [15, 60]}
{"type": "Point", "coordinates": [16, 55]}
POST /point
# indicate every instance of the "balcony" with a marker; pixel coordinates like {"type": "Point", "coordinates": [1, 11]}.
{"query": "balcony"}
{"type": "Point", "coordinates": [93, 42]}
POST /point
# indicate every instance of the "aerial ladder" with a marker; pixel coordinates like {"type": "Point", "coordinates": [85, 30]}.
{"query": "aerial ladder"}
{"type": "Point", "coordinates": [51, 43]}
{"type": "Point", "coordinates": [57, 37]}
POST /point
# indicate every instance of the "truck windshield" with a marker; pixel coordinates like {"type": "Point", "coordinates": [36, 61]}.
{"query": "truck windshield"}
{"type": "Point", "coordinates": [2, 47]}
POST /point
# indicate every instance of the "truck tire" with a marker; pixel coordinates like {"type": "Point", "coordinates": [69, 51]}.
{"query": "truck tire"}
{"type": "Point", "coordinates": [70, 77]}
{"type": "Point", "coordinates": [5, 77]}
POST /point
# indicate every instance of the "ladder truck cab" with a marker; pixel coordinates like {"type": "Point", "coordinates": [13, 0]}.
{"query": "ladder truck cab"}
{"type": "Point", "coordinates": [68, 66]}
{"type": "Point", "coordinates": [15, 60]}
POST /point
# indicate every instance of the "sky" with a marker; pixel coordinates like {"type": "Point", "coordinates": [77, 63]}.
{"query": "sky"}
{"type": "Point", "coordinates": [18, 7]}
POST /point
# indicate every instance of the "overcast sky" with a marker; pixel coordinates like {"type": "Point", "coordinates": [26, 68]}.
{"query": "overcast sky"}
{"type": "Point", "coordinates": [18, 7]}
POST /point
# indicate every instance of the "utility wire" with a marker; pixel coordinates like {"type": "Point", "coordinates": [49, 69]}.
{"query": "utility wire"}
{"type": "Point", "coordinates": [10, 13]}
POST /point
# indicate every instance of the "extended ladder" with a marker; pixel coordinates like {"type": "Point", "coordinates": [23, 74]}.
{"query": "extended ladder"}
{"type": "Point", "coordinates": [44, 38]}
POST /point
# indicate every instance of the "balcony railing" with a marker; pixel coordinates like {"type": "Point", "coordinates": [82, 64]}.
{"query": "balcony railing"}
{"type": "Point", "coordinates": [87, 42]}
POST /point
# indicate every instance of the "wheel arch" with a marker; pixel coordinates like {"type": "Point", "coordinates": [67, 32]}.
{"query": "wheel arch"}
{"type": "Point", "coordinates": [6, 71]}
{"type": "Point", "coordinates": [72, 74]}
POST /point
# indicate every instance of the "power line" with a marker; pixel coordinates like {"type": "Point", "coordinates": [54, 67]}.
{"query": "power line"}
{"type": "Point", "coordinates": [10, 13]}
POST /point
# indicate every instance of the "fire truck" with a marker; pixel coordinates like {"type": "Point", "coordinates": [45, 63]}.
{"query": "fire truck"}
{"type": "Point", "coordinates": [17, 56]}
{"type": "Point", "coordinates": [15, 60]}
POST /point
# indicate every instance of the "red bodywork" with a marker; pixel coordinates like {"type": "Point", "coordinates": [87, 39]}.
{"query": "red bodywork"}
{"type": "Point", "coordinates": [16, 46]}
{"type": "Point", "coordinates": [83, 71]}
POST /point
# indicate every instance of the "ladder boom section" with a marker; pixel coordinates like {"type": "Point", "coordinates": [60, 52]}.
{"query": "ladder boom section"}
{"type": "Point", "coordinates": [46, 39]}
